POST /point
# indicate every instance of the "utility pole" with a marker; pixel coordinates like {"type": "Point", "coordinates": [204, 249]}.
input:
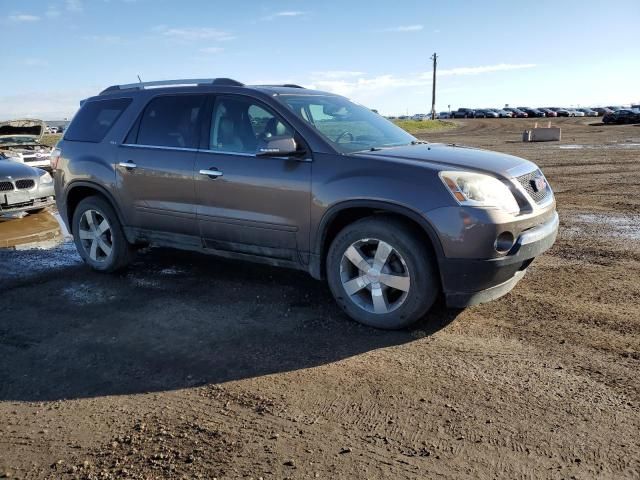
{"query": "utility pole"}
{"type": "Point", "coordinates": [434, 57]}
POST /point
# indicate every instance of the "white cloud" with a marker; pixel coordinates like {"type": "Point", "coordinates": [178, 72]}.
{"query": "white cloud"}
{"type": "Point", "coordinates": [500, 67]}
{"type": "Point", "coordinates": [335, 74]}
{"type": "Point", "coordinates": [192, 34]}
{"type": "Point", "coordinates": [45, 105]}
{"type": "Point", "coordinates": [405, 28]}
{"type": "Point", "coordinates": [52, 12]}
{"type": "Point", "coordinates": [357, 83]}
{"type": "Point", "coordinates": [287, 13]}
{"type": "Point", "coordinates": [74, 5]}
{"type": "Point", "coordinates": [367, 85]}
{"type": "Point", "coordinates": [23, 17]}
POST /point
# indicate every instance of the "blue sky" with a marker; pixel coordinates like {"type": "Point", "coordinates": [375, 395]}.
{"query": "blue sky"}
{"type": "Point", "coordinates": [544, 53]}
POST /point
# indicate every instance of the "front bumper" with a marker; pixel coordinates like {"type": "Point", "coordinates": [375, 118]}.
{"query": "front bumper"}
{"type": "Point", "coordinates": [40, 197]}
{"type": "Point", "coordinates": [469, 282]}
{"type": "Point", "coordinates": [33, 204]}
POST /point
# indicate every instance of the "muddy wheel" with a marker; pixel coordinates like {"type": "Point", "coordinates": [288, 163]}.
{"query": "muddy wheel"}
{"type": "Point", "coordinates": [381, 273]}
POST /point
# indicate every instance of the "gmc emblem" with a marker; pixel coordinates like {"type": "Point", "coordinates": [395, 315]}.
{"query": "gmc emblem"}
{"type": "Point", "coordinates": [539, 184]}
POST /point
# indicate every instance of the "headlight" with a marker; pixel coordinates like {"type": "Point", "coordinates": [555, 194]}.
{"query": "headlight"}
{"type": "Point", "coordinates": [11, 155]}
{"type": "Point", "coordinates": [478, 190]}
{"type": "Point", "coordinates": [46, 178]}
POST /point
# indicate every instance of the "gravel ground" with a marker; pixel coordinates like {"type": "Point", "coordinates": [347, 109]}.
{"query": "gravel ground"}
{"type": "Point", "coordinates": [187, 366]}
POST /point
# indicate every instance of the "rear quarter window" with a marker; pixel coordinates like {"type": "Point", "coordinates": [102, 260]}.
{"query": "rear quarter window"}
{"type": "Point", "coordinates": [95, 119]}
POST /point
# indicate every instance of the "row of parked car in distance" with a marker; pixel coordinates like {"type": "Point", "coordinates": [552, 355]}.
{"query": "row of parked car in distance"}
{"type": "Point", "coordinates": [527, 112]}
{"type": "Point", "coordinates": [611, 114]}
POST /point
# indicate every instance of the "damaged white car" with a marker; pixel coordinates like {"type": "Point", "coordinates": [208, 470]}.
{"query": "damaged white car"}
{"type": "Point", "coordinates": [20, 140]}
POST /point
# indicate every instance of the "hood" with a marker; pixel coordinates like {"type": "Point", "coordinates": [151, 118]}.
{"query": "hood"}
{"type": "Point", "coordinates": [9, 168]}
{"type": "Point", "coordinates": [32, 130]}
{"type": "Point", "coordinates": [458, 157]}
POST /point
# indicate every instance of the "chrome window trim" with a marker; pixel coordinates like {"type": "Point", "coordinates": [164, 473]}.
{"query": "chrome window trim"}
{"type": "Point", "coordinates": [160, 147]}
{"type": "Point", "coordinates": [201, 150]}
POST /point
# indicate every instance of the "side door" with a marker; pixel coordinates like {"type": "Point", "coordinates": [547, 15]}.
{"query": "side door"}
{"type": "Point", "coordinates": [154, 173]}
{"type": "Point", "coordinates": [251, 204]}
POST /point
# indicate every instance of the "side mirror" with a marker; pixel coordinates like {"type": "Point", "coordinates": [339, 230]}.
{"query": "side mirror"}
{"type": "Point", "coordinates": [280, 146]}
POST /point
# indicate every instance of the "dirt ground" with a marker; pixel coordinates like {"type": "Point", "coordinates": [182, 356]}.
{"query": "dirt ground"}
{"type": "Point", "coordinates": [186, 366]}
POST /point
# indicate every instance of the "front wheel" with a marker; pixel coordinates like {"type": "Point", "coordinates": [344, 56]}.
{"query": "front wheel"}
{"type": "Point", "coordinates": [98, 235]}
{"type": "Point", "coordinates": [382, 273]}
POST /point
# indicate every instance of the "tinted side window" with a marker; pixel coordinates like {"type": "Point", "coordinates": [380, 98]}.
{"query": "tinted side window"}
{"type": "Point", "coordinates": [95, 119]}
{"type": "Point", "coordinates": [171, 121]}
{"type": "Point", "coordinates": [241, 125]}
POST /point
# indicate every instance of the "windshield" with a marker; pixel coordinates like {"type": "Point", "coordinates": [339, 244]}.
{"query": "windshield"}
{"type": "Point", "coordinates": [347, 126]}
{"type": "Point", "coordinates": [18, 140]}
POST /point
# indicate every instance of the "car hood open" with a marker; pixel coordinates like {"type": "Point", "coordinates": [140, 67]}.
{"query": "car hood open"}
{"type": "Point", "coordinates": [28, 129]}
{"type": "Point", "coordinates": [458, 157]}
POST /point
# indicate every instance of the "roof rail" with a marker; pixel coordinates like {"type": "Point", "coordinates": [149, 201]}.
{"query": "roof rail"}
{"type": "Point", "coordinates": [288, 85]}
{"type": "Point", "coordinates": [168, 83]}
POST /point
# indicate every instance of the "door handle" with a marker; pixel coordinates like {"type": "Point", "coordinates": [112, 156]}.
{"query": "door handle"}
{"type": "Point", "coordinates": [211, 173]}
{"type": "Point", "coordinates": [128, 165]}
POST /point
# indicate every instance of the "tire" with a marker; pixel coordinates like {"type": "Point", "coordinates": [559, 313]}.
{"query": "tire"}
{"type": "Point", "coordinates": [410, 266]}
{"type": "Point", "coordinates": [88, 232]}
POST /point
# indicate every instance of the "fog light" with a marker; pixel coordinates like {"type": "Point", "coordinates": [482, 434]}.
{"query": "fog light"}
{"type": "Point", "coordinates": [504, 242]}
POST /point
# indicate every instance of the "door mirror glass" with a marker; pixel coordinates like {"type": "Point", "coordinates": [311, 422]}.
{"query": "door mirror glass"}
{"type": "Point", "coordinates": [277, 146]}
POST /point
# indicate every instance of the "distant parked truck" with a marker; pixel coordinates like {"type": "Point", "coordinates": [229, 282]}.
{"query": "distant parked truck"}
{"type": "Point", "coordinates": [625, 115]}
{"type": "Point", "coordinates": [464, 113]}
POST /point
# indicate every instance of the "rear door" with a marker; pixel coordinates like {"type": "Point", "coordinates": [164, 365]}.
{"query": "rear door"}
{"type": "Point", "coordinates": [251, 204]}
{"type": "Point", "coordinates": [155, 165]}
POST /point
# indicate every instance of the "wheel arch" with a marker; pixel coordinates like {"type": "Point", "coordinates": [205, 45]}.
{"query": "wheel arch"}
{"type": "Point", "coordinates": [342, 214]}
{"type": "Point", "coordinates": [78, 191]}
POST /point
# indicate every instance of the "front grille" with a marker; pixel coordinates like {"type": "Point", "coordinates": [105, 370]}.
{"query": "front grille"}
{"type": "Point", "coordinates": [528, 183]}
{"type": "Point", "coordinates": [25, 184]}
{"type": "Point", "coordinates": [6, 186]}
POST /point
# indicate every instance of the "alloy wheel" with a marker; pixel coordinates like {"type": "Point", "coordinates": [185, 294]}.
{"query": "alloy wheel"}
{"type": "Point", "coordinates": [96, 236]}
{"type": "Point", "coordinates": [375, 276]}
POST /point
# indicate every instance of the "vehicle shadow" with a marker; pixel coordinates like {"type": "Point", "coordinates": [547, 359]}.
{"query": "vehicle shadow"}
{"type": "Point", "coordinates": [173, 320]}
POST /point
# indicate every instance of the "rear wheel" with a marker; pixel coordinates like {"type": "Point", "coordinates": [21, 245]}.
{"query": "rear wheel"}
{"type": "Point", "coordinates": [381, 273]}
{"type": "Point", "coordinates": [98, 236]}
